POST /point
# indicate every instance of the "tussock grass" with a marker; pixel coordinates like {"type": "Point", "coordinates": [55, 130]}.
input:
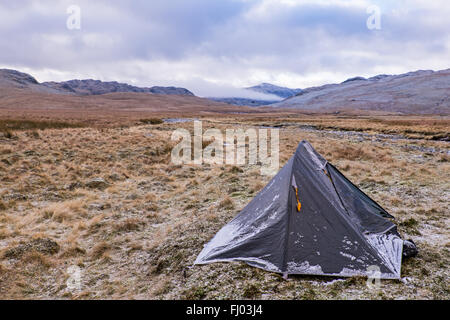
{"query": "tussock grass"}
{"type": "Point", "coordinates": [100, 250]}
{"type": "Point", "coordinates": [13, 125]}
{"type": "Point", "coordinates": [130, 224]}
{"type": "Point", "coordinates": [151, 121]}
{"type": "Point", "coordinates": [136, 237]}
{"type": "Point", "coordinates": [226, 203]}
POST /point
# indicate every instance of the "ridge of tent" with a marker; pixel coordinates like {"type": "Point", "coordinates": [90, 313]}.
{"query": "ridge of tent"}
{"type": "Point", "coordinates": [288, 224]}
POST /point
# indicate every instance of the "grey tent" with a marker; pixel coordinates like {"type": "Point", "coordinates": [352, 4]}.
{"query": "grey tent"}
{"type": "Point", "coordinates": [310, 220]}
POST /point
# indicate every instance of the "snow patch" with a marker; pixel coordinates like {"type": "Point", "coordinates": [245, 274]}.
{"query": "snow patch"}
{"type": "Point", "coordinates": [304, 267]}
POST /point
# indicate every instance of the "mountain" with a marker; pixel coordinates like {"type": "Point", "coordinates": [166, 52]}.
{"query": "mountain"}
{"type": "Point", "coordinates": [281, 92]}
{"type": "Point", "coordinates": [22, 96]}
{"type": "Point", "coordinates": [95, 87]}
{"type": "Point", "coordinates": [419, 92]}
{"type": "Point", "coordinates": [265, 88]}
{"type": "Point", "coordinates": [13, 78]}
{"type": "Point", "coordinates": [19, 80]}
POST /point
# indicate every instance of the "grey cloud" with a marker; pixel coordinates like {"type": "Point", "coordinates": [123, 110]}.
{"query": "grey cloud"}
{"type": "Point", "coordinates": [220, 41]}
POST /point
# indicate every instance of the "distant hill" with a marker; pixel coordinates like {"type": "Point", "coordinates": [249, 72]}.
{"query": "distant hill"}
{"type": "Point", "coordinates": [19, 80]}
{"type": "Point", "coordinates": [265, 88]}
{"type": "Point", "coordinates": [281, 92]}
{"type": "Point", "coordinates": [13, 79]}
{"type": "Point", "coordinates": [420, 92]}
{"type": "Point", "coordinates": [95, 87]}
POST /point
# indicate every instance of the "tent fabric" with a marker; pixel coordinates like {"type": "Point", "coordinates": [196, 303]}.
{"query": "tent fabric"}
{"type": "Point", "coordinates": [338, 231]}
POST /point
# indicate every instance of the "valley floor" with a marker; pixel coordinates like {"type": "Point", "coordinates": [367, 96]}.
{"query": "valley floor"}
{"type": "Point", "coordinates": [107, 203]}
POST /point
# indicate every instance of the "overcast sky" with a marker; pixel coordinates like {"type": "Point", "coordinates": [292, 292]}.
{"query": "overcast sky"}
{"type": "Point", "coordinates": [213, 47]}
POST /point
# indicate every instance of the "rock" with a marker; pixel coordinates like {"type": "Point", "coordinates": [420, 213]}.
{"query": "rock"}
{"type": "Point", "coordinates": [45, 246]}
{"type": "Point", "coordinates": [97, 183]}
{"type": "Point", "coordinates": [409, 249]}
{"type": "Point", "coordinates": [15, 196]}
{"type": "Point", "coordinates": [406, 280]}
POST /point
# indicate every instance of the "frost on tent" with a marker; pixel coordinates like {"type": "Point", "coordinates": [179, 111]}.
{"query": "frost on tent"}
{"type": "Point", "coordinates": [339, 231]}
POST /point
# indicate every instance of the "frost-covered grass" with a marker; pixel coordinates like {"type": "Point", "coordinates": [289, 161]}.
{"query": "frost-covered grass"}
{"type": "Point", "coordinates": [134, 223]}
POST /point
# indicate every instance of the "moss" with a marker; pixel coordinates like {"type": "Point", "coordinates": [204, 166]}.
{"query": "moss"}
{"type": "Point", "coordinates": [411, 226]}
{"type": "Point", "coordinates": [409, 223]}
{"type": "Point", "coordinates": [308, 294]}
{"type": "Point", "coordinates": [235, 170]}
{"type": "Point", "coordinates": [251, 291]}
{"type": "Point", "coordinates": [195, 293]}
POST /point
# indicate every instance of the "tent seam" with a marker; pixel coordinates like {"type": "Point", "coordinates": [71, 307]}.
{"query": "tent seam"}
{"type": "Point", "coordinates": [286, 240]}
{"type": "Point", "coordinates": [337, 193]}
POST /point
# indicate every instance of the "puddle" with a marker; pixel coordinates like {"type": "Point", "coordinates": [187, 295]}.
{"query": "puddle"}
{"type": "Point", "coordinates": [179, 120]}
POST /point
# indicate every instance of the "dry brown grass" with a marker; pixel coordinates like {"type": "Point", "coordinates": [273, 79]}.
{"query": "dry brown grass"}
{"type": "Point", "coordinates": [102, 110]}
{"type": "Point", "coordinates": [226, 203]}
{"type": "Point", "coordinates": [130, 224]}
{"type": "Point", "coordinates": [431, 128]}
{"type": "Point", "coordinates": [100, 250]}
{"type": "Point", "coordinates": [13, 125]}
{"type": "Point", "coordinates": [134, 236]}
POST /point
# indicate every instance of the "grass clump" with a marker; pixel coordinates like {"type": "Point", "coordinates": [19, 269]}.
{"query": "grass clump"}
{"type": "Point", "coordinates": [227, 203]}
{"type": "Point", "coordinates": [6, 126]}
{"type": "Point", "coordinates": [151, 121]}
{"type": "Point", "coordinates": [100, 250]}
{"type": "Point", "coordinates": [195, 293]}
{"type": "Point", "coordinates": [251, 291]}
{"type": "Point", "coordinates": [409, 223]}
{"type": "Point", "coordinates": [130, 224]}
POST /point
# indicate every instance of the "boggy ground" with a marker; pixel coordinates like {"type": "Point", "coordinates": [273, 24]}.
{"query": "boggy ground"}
{"type": "Point", "coordinates": [109, 201]}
